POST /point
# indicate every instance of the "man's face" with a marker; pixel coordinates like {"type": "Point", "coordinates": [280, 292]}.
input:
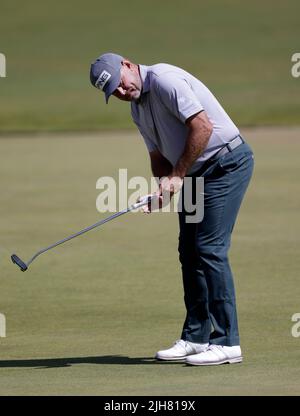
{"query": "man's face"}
{"type": "Point", "coordinates": [131, 85]}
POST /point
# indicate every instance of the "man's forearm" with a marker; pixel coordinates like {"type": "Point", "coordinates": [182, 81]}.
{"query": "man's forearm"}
{"type": "Point", "coordinates": [196, 142]}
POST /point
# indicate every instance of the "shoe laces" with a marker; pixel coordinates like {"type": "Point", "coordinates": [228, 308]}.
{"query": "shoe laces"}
{"type": "Point", "coordinates": [181, 343]}
{"type": "Point", "coordinates": [214, 347]}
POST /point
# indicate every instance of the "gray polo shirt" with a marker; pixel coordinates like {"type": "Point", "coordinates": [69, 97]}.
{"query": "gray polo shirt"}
{"type": "Point", "coordinates": [169, 97]}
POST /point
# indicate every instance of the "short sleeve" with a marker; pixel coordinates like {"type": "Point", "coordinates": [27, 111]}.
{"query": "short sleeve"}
{"type": "Point", "coordinates": [177, 95]}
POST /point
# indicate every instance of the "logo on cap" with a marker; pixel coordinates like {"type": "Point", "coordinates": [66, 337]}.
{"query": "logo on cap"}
{"type": "Point", "coordinates": [102, 80]}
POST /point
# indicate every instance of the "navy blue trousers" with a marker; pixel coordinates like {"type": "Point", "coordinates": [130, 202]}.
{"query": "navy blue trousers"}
{"type": "Point", "coordinates": [209, 293]}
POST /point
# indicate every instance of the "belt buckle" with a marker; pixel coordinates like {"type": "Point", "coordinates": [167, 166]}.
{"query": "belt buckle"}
{"type": "Point", "coordinates": [232, 141]}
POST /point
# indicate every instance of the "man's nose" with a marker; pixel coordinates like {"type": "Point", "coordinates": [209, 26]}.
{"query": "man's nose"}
{"type": "Point", "coordinates": [121, 90]}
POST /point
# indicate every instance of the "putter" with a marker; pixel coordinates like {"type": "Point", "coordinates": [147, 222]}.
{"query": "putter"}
{"type": "Point", "coordinates": [145, 200]}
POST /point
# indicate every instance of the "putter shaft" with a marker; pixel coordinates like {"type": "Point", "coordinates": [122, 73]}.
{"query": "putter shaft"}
{"type": "Point", "coordinates": [85, 230]}
{"type": "Point", "coordinates": [23, 266]}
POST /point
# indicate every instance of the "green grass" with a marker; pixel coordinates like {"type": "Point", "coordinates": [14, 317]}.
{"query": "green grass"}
{"type": "Point", "coordinates": [242, 51]}
{"type": "Point", "coordinates": [87, 317]}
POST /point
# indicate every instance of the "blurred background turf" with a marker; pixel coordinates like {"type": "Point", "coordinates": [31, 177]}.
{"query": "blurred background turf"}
{"type": "Point", "coordinates": [241, 50]}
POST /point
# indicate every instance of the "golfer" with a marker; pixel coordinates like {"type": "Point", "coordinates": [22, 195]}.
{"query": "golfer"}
{"type": "Point", "coordinates": [188, 133]}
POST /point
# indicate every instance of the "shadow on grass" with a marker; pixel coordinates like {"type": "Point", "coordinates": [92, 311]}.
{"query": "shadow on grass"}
{"type": "Point", "coordinates": [67, 362]}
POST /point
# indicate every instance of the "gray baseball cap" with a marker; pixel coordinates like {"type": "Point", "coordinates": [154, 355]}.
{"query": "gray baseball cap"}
{"type": "Point", "coordinates": [105, 73]}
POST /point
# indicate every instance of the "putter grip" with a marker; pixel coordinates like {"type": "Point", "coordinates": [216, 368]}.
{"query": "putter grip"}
{"type": "Point", "coordinates": [144, 200]}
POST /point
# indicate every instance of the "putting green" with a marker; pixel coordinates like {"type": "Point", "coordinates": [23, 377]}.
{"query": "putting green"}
{"type": "Point", "coordinates": [88, 316]}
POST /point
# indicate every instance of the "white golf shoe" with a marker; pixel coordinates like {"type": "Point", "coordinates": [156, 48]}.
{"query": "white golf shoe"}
{"type": "Point", "coordinates": [180, 350]}
{"type": "Point", "coordinates": [216, 354]}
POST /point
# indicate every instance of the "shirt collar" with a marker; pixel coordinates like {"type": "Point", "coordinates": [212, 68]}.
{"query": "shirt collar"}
{"type": "Point", "coordinates": [145, 78]}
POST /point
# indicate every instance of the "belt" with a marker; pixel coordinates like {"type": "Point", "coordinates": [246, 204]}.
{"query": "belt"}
{"type": "Point", "coordinates": [229, 147]}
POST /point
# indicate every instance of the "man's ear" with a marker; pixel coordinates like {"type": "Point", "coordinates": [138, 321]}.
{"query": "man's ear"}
{"type": "Point", "coordinates": [127, 63]}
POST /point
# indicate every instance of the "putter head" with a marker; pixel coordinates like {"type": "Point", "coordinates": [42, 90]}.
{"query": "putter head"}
{"type": "Point", "coordinates": [15, 259]}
